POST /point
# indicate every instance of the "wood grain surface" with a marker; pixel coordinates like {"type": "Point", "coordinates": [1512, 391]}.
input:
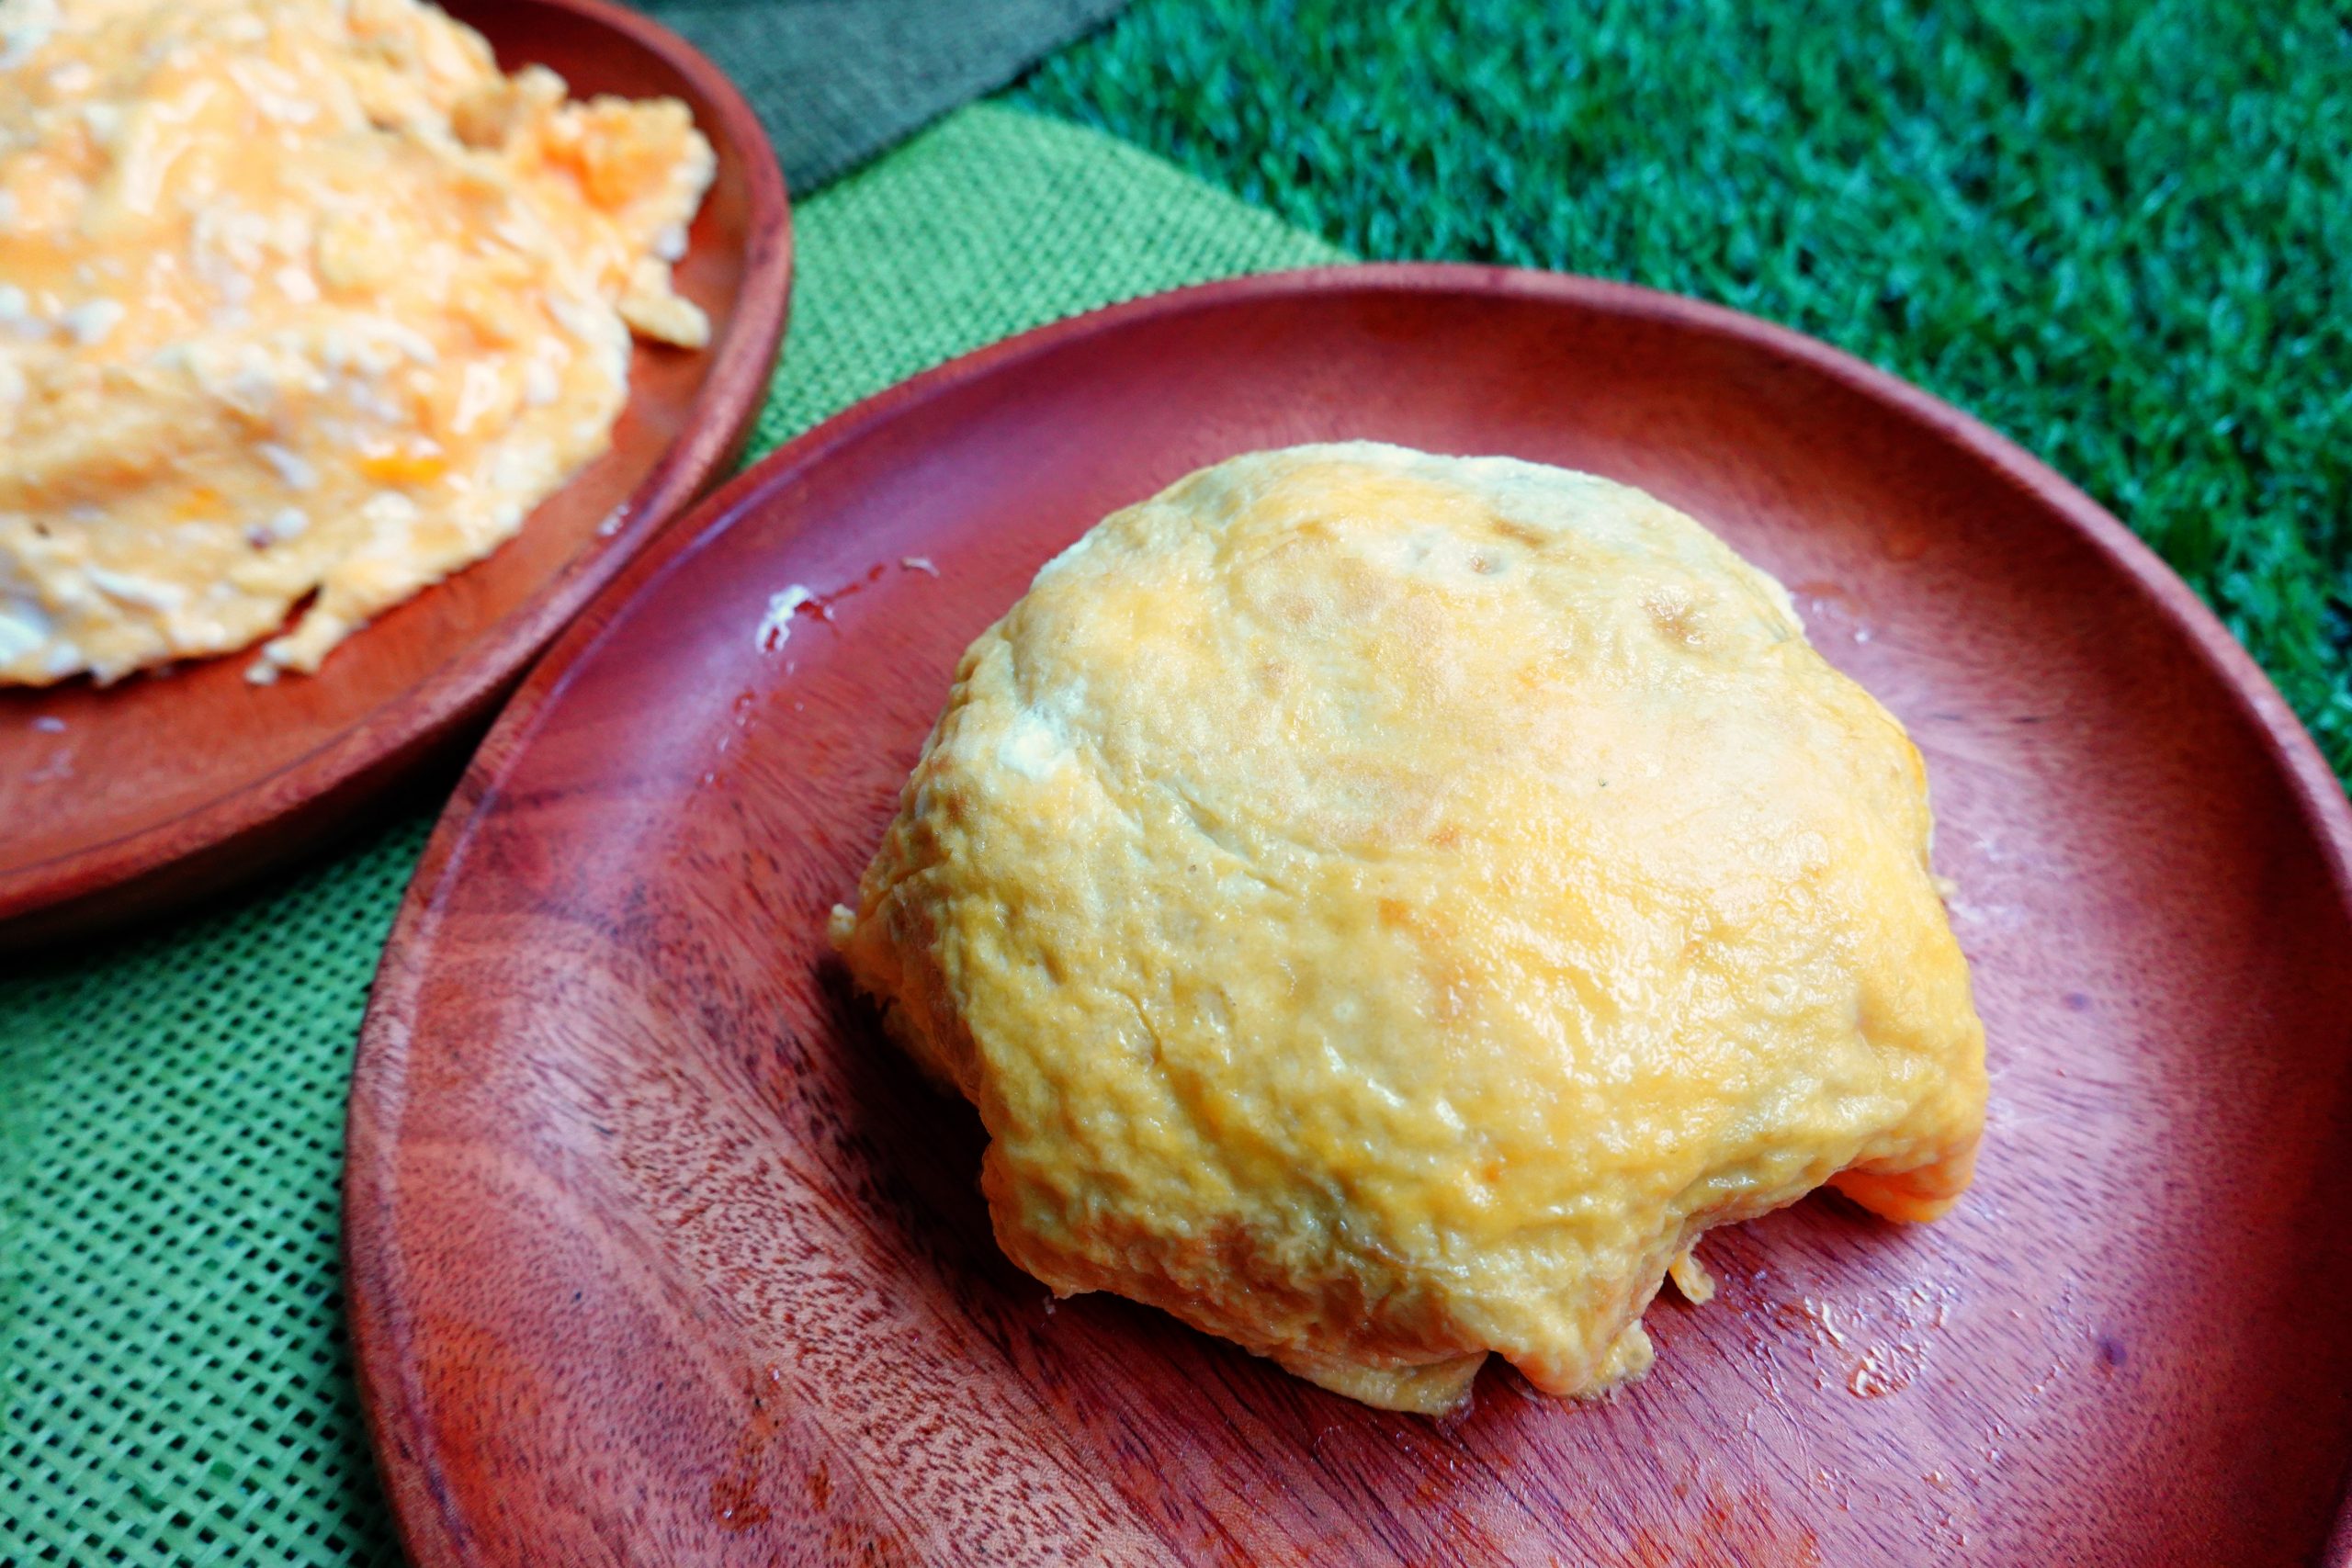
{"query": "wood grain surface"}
{"type": "Point", "coordinates": [660, 1254]}
{"type": "Point", "coordinates": [159, 789]}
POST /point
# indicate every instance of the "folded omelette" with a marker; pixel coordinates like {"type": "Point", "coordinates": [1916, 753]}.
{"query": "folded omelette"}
{"type": "Point", "coordinates": [1385, 906]}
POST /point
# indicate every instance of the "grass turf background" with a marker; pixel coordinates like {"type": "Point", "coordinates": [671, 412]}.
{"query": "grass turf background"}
{"type": "Point", "coordinates": [2119, 231]}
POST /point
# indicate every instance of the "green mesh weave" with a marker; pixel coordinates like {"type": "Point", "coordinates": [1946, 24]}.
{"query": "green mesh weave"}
{"type": "Point", "coordinates": [174, 1382]}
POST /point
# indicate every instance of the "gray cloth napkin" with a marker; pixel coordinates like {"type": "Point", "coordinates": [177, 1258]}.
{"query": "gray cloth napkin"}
{"type": "Point", "coordinates": [836, 81]}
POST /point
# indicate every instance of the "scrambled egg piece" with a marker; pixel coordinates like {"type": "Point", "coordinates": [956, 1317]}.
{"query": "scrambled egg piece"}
{"type": "Point", "coordinates": [299, 298]}
{"type": "Point", "coordinates": [1385, 906]}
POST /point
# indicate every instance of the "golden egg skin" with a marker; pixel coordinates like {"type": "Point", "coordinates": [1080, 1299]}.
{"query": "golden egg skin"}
{"type": "Point", "coordinates": [1385, 906]}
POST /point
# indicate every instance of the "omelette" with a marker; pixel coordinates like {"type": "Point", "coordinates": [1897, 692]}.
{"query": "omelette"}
{"type": "Point", "coordinates": [1386, 906]}
{"type": "Point", "coordinates": [304, 304]}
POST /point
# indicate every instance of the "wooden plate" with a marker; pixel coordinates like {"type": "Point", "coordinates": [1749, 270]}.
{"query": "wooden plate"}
{"type": "Point", "coordinates": [660, 1254]}
{"type": "Point", "coordinates": [159, 789]}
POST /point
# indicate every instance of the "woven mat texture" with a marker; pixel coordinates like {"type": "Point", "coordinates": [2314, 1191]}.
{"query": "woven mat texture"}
{"type": "Point", "coordinates": [175, 1386]}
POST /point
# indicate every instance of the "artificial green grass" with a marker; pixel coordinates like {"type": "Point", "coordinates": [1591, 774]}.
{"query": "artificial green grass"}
{"type": "Point", "coordinates": [2119, 231]}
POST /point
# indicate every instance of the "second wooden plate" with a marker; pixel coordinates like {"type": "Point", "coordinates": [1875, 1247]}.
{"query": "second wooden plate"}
{"type": "Point", "coordinates": [134, 799]}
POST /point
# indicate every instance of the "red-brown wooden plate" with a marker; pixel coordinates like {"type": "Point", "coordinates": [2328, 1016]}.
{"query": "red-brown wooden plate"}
{"type": "Point", "coordinates": [660, 1254]}
{"type": "Point", "coordinates": [158, 790]}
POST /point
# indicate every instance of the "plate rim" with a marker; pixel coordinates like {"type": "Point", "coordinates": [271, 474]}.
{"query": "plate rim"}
{"type": "Point", "coordinates": [368, 755]}
{"type": "Point", "coordinates": [399, 1426]}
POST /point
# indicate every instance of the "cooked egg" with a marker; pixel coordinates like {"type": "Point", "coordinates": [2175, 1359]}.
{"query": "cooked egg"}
{"type": "Point", "coordinates": [303, 304]}
{"type": "Point", "coordinates": [1386, 908]}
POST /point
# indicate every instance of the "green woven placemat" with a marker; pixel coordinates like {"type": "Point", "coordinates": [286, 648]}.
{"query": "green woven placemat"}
{"type": "Point", "coordinates": [173, 1379]}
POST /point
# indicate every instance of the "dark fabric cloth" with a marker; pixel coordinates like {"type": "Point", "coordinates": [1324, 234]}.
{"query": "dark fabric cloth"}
{"type": "Point", "coordinates": [837, 81]}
